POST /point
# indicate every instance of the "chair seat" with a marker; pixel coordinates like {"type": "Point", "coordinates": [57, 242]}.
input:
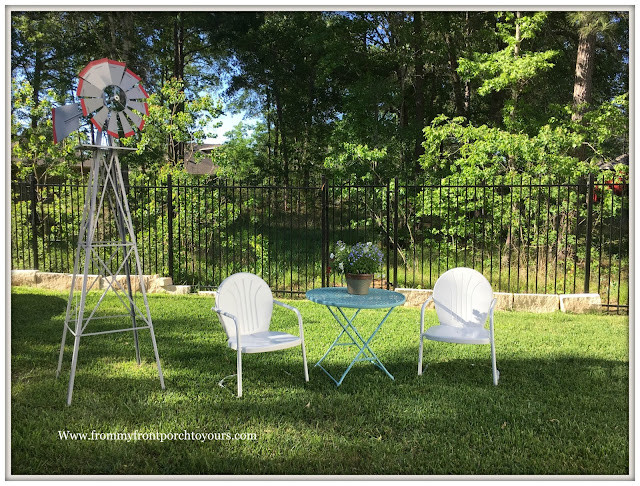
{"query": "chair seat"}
{"type": "Point", "coordinates": [263, 342]}
{"type": "Point", "coordinates": [460, 335]}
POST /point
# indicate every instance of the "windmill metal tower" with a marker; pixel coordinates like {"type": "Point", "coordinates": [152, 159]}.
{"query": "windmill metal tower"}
{"type": "Point", "coordinates": [113, 97]}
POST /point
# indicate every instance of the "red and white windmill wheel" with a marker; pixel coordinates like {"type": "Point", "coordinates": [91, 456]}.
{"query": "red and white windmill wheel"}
{"type": "Point", "coordinates": [114, 98]}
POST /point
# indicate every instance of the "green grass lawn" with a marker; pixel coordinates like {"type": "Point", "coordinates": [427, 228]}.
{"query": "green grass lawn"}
{"type": "Point", "coordinates": [562, 405]}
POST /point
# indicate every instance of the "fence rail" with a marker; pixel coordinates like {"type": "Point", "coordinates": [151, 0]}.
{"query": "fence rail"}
{"type": "Point", "coordinates": [528, 237]}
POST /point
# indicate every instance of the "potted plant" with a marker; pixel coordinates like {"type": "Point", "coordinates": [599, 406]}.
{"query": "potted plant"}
{"type": "Point", "coordinates": [358, 263]}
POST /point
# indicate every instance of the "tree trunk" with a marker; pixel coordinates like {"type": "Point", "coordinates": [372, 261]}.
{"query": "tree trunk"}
{"type": "Point", "coordinates": [516, 89]}
{"type": "Point", "coordinates": [516, 53]}
{"type": "Point", "coordinates": [178, 73]}
{"type": "Point", "coordinates": [453, 67]}
{"type": "Point", "coordinates": [467, 83]}
{"type": "Point", "coordinates": [584, 73]}
{"type": "Point", "coordinates": [127, 37]}
{"type": "Point", "coordinates": [36, 84]}
{"type": "Point", "coordinates": [280, 128]}
{"type": "Point", "coordinates": [497, 98]}
{"type": "Point", "coordinates": [418, 54]}
{"type": "Point", "coordinates": [178, 47]}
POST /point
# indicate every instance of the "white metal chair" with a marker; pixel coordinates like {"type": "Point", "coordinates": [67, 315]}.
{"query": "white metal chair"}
{"type": "Point", "coordinates": [463, 299]}
{"type": "Point", "coordinates": [244, 305]}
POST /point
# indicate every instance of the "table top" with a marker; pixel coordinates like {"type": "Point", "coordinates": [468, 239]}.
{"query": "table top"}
{"type": "Point", "coordinates": [338, 296]}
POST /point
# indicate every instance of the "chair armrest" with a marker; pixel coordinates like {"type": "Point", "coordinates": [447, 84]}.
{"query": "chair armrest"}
{"type": "Point", "coordinates": [230, 316]}
{"type": "Point", "coordinates": [223, 313]}
{"type": "Point", "coordinates": [491, 309]}
{"type": "Point", "coordinates": [291, 308]}
{"type": "Point", "coordinates": [424, 306]}
{"type": "Point", "coordinates": [493, 305]}
{"type": "Point", "coordinates": [286, 306]}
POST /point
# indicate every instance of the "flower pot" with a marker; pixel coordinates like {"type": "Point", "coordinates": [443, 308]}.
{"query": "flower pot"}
{"type": "Point", "coordinates": [359, 283]}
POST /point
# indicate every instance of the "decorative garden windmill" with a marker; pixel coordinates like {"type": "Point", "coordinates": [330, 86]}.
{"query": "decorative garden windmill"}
{"type": "Point", "coordinates": [114, 99]}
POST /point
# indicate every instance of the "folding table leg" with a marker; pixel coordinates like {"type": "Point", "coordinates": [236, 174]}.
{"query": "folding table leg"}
{"type": "Point", "coordinates": [363, 345]}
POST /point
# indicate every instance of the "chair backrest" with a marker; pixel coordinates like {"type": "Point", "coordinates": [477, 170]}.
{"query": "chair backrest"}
{"type": "Point", "coordinates": [247, 297]}
{"type": "Point", "coordinates": [462, 297]}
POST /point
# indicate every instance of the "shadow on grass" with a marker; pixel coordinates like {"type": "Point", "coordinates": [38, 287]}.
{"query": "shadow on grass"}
{"type": "Point", "coordinates": [48, 306]}
{"type": "Point", "coordinates": [318, 428]}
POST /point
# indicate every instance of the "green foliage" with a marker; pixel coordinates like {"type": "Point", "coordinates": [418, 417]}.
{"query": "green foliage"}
{"type": "Point", "coordinates": [345, 94]}
{"type": "Point", "coordinates": [33, 151]}
{"type": "Point", "coordinates": [502, 70]}
{"type": "Point", "coordinates": [357, 163]}
{"type": "Point", "coordinates": [605, 129]}
{"type": "Point", "coordinates": [510, 68]}
{"type": "Point", "coordinates": [457, 151]}
{"type": "Point", "coordinates": [239, 157]}
{"type": "Point", "coordinates": [173, 118]}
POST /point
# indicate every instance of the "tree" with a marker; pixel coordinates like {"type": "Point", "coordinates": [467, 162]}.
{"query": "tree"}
{"type": "Point", "coordinates": [239, 157]}
{"type": "Point", "coordinates": [511, 68]}
{"type": "Point", "coordinates": [33, 152]}
{"type": "Point", "coordinates": [589, 24]}
{"type": "Point", "coordinates": [325, 82]}
{"type": "Point", "coordinates": [166, 123]}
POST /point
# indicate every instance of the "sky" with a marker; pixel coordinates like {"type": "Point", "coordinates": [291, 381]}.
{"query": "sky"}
{"type": "Point", "coordinates": [228, 122]}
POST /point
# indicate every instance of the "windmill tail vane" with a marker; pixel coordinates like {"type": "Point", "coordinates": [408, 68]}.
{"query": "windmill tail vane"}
{"type": "Point", "coordinates": [114, 99]}
{"type": "Point", "coordinates": [111, 95]}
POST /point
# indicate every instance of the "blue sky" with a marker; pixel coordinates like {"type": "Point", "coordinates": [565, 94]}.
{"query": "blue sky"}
{"type": "Point", "coordinates": [228, 122]}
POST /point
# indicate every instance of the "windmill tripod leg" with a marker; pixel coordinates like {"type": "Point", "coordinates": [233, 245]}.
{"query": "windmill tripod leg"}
{"type": "Point", "coordinates": [74, 364]}
{"type": "Point", "coordinates": [67, 317]}
{"type": "Point", "coordinates": [126, 224]}
{"type": "Point", "coordinates": [85, 237]}
{"type": "Point", "coordinates": [120, 217]}
{"type": "Point", "coordinates": [82, 236]}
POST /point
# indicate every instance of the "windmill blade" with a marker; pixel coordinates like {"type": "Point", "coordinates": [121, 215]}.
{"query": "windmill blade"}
{"type": "Point", "coordinates": [129, 80]}
{"type": "Point", "coordinates": [113, 126]}
{"type": "Point", "coordinates": [116, 70]}
{"type": "Point", "coordinates": [89, 105]}
{"type": "Point", "coordinates": [97, 73]}
{"type": "Point", "coordinates": [136, 105]}
{"type": "Point", "coordinates": [134, 117]}
{"type": "Point", "coordinates": [89, 66]}
{"type": "Point", "coordinates": [66, 119]}
{"type": "Point", "coordinates": [100, 117]}
{"type": "Point", "coordinates": [137, 93]}
{"type": "Point", "coordinates": [86, 89]}
{"type": "Point", "coordinates": [126, 127]}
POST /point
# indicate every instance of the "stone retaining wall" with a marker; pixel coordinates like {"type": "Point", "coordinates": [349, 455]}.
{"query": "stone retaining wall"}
{"type": "Point", "coordinates": [577, 303]}
{"type": "Point", "coordinates": [155, 284]}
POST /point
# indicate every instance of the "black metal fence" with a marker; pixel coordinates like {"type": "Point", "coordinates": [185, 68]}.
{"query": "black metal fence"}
{"type": "Point", "coordinates": [527, 237]}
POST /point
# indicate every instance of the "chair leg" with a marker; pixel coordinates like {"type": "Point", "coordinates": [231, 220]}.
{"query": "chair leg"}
{"type": "Point", "coordinates": [304, 362]}
{"type": "Point", "coordinates": [496, 373]}
{"type": "Point", "coordinates": [239, 366]}
{"type": "Point", "coordinates": [420, 355]}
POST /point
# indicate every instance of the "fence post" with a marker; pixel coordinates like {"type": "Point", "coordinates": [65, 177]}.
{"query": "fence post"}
{"type": "Point", "coordinates": [34, 221]}
{"type": "Point", "coordinates": [325, 233]}
{"type": "Point", "coordinates": [388, 233]}
{"type": "Point", "coordinates": [170, 223]}
{"type": "Point", "coordinates": [589, 242]}
{"type": "Point", "coordinates": [395, 233]}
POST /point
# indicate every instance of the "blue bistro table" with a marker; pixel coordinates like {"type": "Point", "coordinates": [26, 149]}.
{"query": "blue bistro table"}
{"type": "Point", "coordinates": [339, 298]}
